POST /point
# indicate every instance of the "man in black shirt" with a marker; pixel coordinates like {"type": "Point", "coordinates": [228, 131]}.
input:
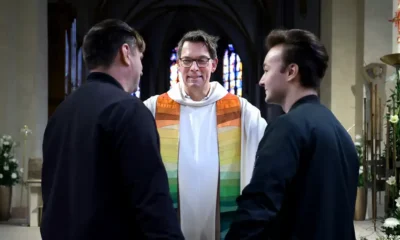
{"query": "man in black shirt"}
{"type": "Point", "coordinates": [304, 182]}
{"type": "Point", "coordinates": [103, 177]}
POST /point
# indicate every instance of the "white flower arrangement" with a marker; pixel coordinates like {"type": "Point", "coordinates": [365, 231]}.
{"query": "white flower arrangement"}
{"type": "Point", "coordinates": [359, 148]}
{"type": "Point", "coordinates": [9, 167]}
{"type": "Point", "coordinates": [391, 225]}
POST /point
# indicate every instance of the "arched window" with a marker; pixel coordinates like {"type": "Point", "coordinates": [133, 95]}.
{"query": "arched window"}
{"type": "Point", "coordinates": [73, 49]}
{"type": "Point", "coordinates": [66, 75]}
{"type": "Point", "coordinates": [73, 60]}
{"type": "Point", "coordinates": [232, 71]}
{"type": "Point", "coordinates": [80, 73]}
{"type": "Point", "coordinates": [174, 76]}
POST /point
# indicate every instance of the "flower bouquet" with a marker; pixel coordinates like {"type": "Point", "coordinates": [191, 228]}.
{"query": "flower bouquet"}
{"type": "Point", "coordinates": [10, 172]}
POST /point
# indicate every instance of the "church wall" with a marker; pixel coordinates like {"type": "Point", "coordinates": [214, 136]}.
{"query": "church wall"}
{"type": "Point", "coordinates": [355, 36]}
{"type": "Point", "coordinates": [378, 30]}
{"type": "Point", "coordinates": [342, 32]}
{"type": "Point", "coordinates": [379, 37]}
{"type": "Point", "coordinates": [23, 85]}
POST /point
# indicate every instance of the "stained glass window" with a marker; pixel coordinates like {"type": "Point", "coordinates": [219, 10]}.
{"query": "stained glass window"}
{"type": "Point", "coordinates": [73, 56]}
{"type": "Point", "coordinates": [232, 71]}
{"type": "Point", "coordinates": [73, 63]}
{"type": "Point", "coordinates": [175, 76]}
{"type": "Point", "coordinates": [66, 75]}
{"type": "Point", "coordinates": [80, 73]}
{"type": "Point", "coordinates": [137, 93]}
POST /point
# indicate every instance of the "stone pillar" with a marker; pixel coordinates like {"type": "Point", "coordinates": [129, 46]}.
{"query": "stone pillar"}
{"type": "Point", "coordinates": [380, 39]}
{"type": "Point", "coordinates": [395, 33]}
{"type": "Point", "coordinates": [23, 84]}
{"type": "Point", "coordinates": [342, 32]}
{"type": "Point", "coordinates": [392, 44]}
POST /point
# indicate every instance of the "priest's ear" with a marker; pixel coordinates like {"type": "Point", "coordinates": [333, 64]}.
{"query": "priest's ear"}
{"type": "Point", "coordinates": [292, 71]}
{"type": "Point", "coordinates": [214, 64]}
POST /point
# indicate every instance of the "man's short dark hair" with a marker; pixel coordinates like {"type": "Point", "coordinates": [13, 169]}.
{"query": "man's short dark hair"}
{"type": "Point", "coordinates": [200, 36]}
{"type": "Point", "coordinates": [101, 43]}
{"type": "Point", "coordinates": [303, 48]}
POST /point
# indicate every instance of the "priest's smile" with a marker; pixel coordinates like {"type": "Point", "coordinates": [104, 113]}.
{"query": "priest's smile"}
{"type": "Point", "coordinates": [195, 78]}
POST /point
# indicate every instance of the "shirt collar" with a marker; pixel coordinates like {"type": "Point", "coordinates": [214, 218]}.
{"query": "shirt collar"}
{"type": "Point", "coordinates": [205, 98]}
{"type": "Point", "coordinates": [305, 99]}
{"type": "Point", "coordinates": [103, 77]}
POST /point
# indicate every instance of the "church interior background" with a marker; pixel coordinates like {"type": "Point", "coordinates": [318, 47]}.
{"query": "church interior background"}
{"type": "Point", "coordinates": [41, 61]}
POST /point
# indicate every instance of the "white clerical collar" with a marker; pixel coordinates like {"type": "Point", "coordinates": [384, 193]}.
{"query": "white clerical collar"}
{"type": "Point", "coordinates": [205, 98]}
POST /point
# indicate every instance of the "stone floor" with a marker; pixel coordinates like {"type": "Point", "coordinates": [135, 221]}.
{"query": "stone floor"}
{"type": "Point", "coordinates": [366, 229]}
{"type": "Point", "coordinates": [13, 231]}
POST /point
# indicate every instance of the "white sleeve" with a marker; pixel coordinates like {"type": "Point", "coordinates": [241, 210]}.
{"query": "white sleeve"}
{"type": "Point", "coordinates": [151, 104]}
{"type": "Point", "coordinates": [253, 128]}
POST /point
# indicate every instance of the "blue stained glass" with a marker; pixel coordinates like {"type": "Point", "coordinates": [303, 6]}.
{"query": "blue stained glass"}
{"type": "Point", "coordinates": [175, 75]}
{"type": "Point", "coordinates": [173, 57]}
{"type": "Point", "coordinates": [232, 71]}
{"type": "Point", "coordinates": [239, 91]}
{"type": "Point", "coordinates": [238, 83]}
{"type": "Point", "coordinates": [73, 54]}
{"type": "Point", "coordinates": [137, 93]}
{"type": "Point", "coordinates": [66, 75]}
{"type": "Point", "coordinates": [79, 67]}
{"type": "Point", "coordinates": [226, 85]}
{"type": "Point", "coordinates": [226, 77]}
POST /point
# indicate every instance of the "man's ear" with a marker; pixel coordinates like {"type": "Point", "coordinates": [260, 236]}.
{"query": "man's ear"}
{"type": "Point", "coordinates": [292, 71]}
{"type": "Point", "coordinates": [124, 55]}
{"type": "Point", "coordinates": [214, 64]}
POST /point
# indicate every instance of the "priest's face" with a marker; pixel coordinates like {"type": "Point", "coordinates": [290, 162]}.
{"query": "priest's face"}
{"type": "Point", "coordinates": [195, 65]}
{"type": "Point", "coordinates": [275, 78]}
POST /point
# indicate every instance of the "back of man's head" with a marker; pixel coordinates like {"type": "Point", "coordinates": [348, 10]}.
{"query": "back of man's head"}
{"type": "Point", "coordinates": [303, 48]}
{"type": "Point", "coordinates": [102, 42]}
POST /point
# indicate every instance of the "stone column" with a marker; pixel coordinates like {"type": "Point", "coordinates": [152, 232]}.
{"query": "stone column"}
{"type": "Point", "coordinates": [342, 32]}
{"type": "Point", "coordinates": [23, 84]}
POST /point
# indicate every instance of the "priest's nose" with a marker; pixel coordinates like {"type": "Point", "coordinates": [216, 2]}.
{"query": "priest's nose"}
{"type": "Point", "coordinates": [194, 66]}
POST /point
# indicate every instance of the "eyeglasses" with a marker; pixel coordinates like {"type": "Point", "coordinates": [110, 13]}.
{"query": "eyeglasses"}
{"type": "Point", "coordinates": [201, 62]}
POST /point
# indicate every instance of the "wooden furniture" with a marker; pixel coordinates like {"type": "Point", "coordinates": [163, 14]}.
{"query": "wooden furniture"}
{"type": "Point", "coordinates": [34, 201]}
{"type": "Point", "coordinates": [34, 188]}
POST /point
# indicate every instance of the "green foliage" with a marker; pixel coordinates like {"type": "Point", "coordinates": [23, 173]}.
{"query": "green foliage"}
{"type": "Point", "coordinates": [391, 226]}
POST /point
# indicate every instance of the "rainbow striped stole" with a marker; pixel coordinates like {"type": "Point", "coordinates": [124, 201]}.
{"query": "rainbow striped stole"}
{"type": "Point", "coordinates": [229, 149]}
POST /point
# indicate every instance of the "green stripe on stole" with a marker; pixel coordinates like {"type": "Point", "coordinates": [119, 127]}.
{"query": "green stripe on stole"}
{"type": "Point", "coordinates": [229, 150]}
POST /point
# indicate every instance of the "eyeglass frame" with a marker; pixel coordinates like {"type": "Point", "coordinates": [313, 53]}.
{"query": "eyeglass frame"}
{"type": "Point", "coordinates": [195, 60]}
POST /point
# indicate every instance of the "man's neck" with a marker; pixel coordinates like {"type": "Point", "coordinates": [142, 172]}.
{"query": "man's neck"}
{"type": "Point", "coordinates": [293, 96]}
{"type": "Point", "coordinates": [115, 74]}
{"type": "Point", "coordinates": [197, 94]}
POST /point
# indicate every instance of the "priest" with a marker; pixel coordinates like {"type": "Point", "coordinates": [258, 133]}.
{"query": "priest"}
{"type": "Point", "coordinates": [208, 138]}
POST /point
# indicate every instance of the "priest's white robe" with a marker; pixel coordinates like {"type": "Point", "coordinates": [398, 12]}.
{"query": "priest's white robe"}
{"type": "Point", "coordinates": [198, 156]}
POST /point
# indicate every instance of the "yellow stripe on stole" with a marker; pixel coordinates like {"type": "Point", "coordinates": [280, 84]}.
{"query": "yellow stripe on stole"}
{"type": "Point", "coordinates": [169, 142]}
